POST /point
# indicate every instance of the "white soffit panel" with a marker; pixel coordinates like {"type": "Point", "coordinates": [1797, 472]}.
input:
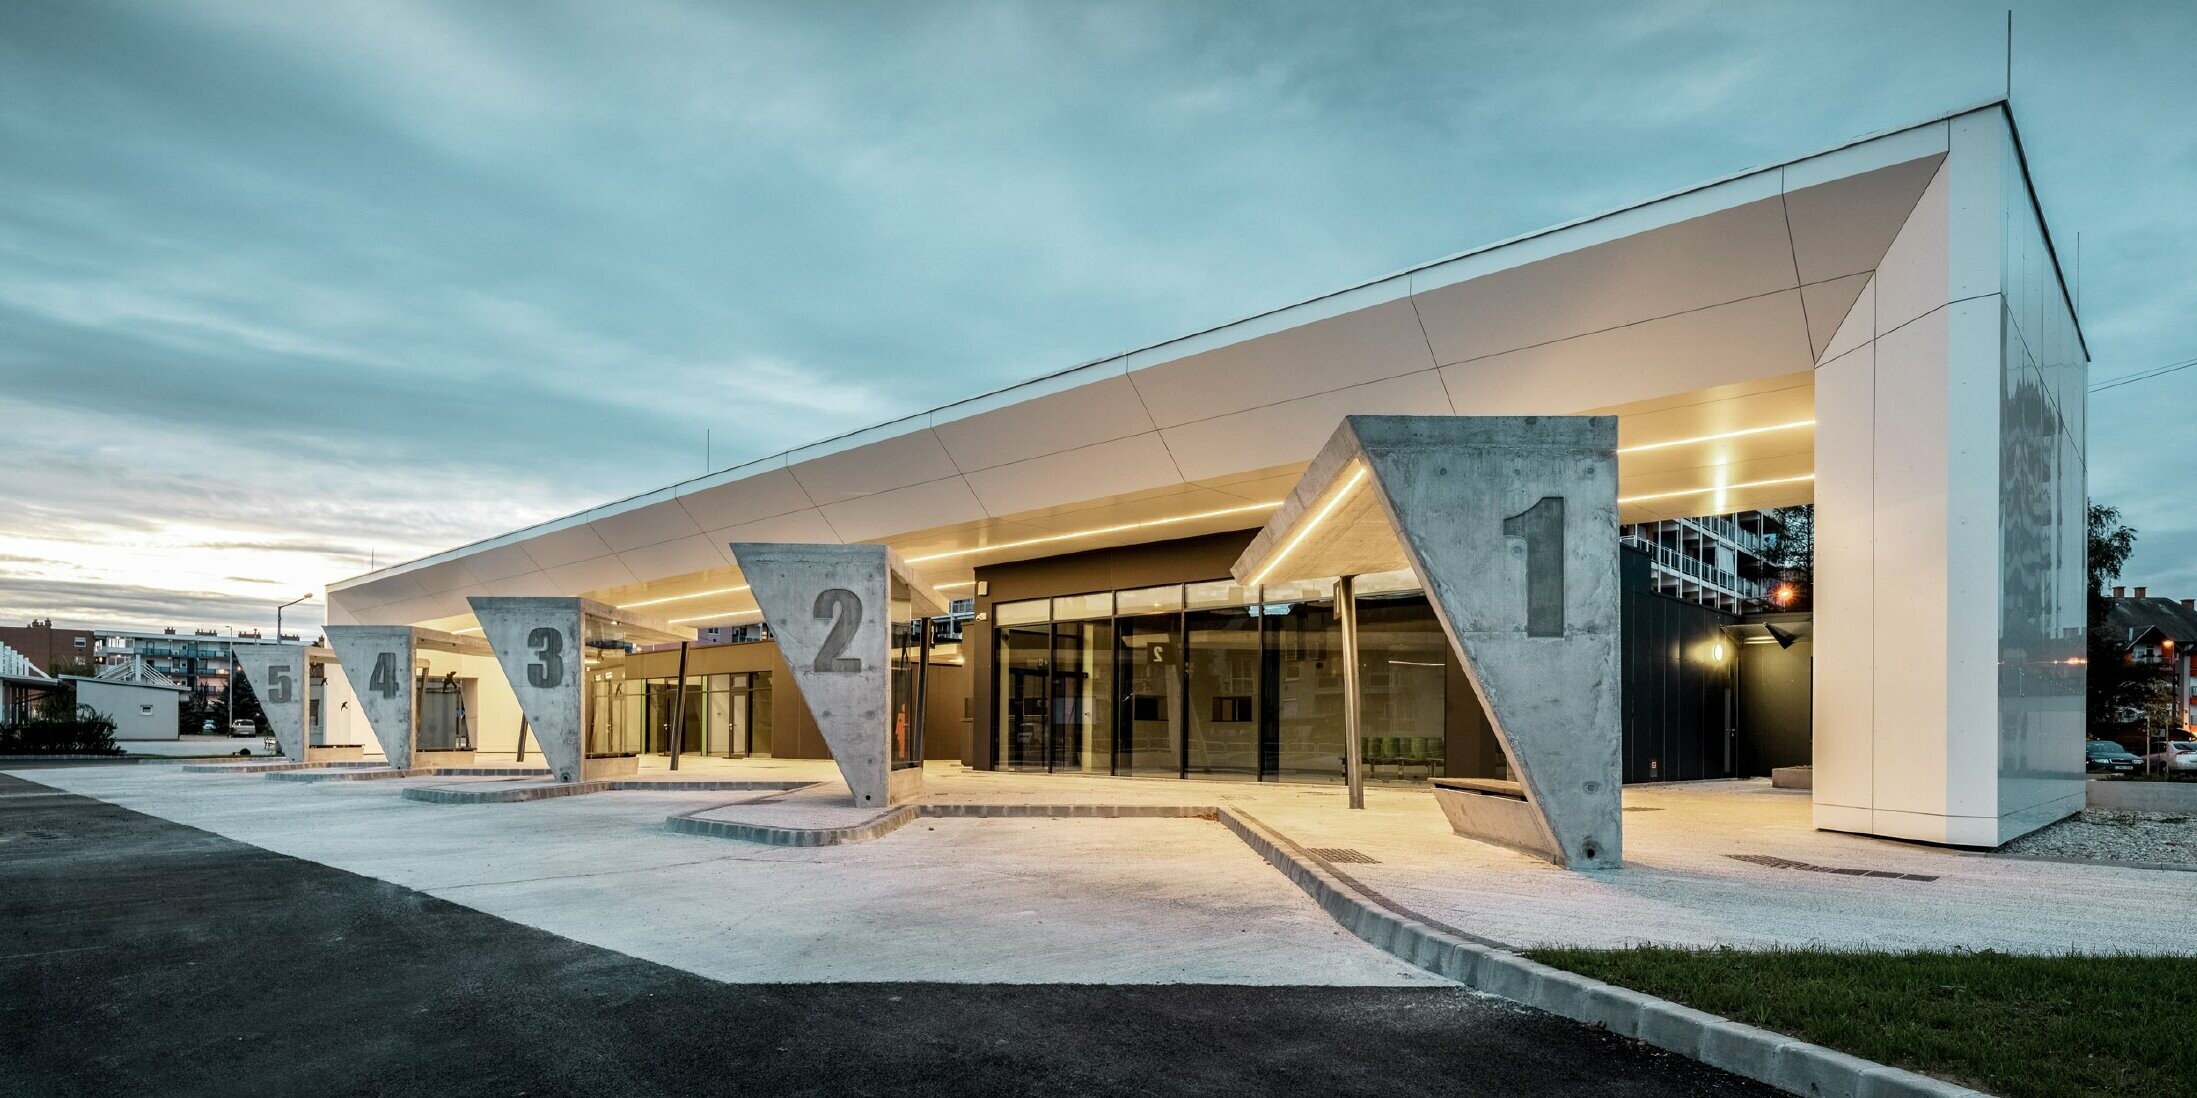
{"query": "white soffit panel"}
{"type": "Point", "coordinates": [580, 577]}
{"type": "Point", "coordinates": [1379, 342]}
{"type": "Point", "coordinates": [1710, 260]}
{"type": "Point", "coordinates": [1124, 465]}
{"type": "Point", "coordinates": [1186, 501]}
{"type": "Point", "coordinates": [1271, 483]}
{"type": "Point", "coordinates": [878, 467]}
{"type": "Point", "coordinates": [1859, 325]}
{"type": "Point", "coordinates": [651, 525]}
{"type": "Point", "coordinates": [1827, 304]}
{"type": "Point", "coordinates": [1843, 227]}
{"type": "Point", "coordinates": [501, 562]}
{"type": "Point", "coordinates": [524, 584]}
{"type": "Point", "coordinates": [901, 509]}
{"type": "Point", "coordinates": [437, 578]}
{"type": "Point", "coordinates": [805, 525]}
{"type": "Point", "coordinates": [1292, 431]}
{"type": "Point", "coordinates": [1103, 411]}
{"type": "Point", "coordinates": [676, 558]}
{"type": "Point", "coordinates": [562, 547]}
{"type": "Point", "coordinates": [1744, 340]}
{"type": "Point", "coordinates": [767, 494]}
{"type": "Point", "coordinates": [1914, 277]}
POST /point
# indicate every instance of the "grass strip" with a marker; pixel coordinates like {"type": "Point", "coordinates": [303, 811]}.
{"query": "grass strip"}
{"type": "Point", "coordinates": [2019, 1026]}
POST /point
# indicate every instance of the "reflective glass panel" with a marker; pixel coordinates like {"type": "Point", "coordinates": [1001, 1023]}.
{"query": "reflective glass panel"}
{"type": "Point", "coordinates": [1021, 613]}
{"type": "Point", "coordinates": [1079, 607]}
{"type": "Point", "coordinates": [1024, 721]}
{"type": "Point", "coordinates": [1083, 696]}
{"type": "Point", "coordinates": [1148, 600]}
{"type": "Point", "coordinates": [1149, 719]}
{"type": "Point", "coordinates": [1223, 651]}
{"type": "Point", "coordinates": [1403, 676]}
{"type": "Point", "coordinates": [1304, 689]}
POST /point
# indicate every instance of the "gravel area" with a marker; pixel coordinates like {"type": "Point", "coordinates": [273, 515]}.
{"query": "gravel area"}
{"type": "Point", "coordinates": [2115, 837]}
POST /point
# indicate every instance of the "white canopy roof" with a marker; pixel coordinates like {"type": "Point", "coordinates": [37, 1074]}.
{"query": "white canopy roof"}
{"type": "Point", "coordinates": [1697, 318]}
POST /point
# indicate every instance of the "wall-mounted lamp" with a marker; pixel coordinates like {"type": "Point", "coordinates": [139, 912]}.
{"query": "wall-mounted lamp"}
{"type": "Point", "coordinates": [1716, 652]}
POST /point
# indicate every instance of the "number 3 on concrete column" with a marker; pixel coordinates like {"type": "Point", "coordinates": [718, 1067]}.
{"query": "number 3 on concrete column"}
{"type": "Point", "coordinates": [549, 670]}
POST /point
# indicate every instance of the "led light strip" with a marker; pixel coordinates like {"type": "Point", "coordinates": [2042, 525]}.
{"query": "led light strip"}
{"type": "Point", "coordinates": [1051, 538]}
{"type": "Point", "coordinates": [1716, 488]}
{"type": "Point", "coordinates": [726, 616]}
{"type": "Point", "coordinates": [1646, 446]}
{"type": "Point", "coordinates": [682, 598]}
{"type": "Point", "coordinates": [1305, 531]}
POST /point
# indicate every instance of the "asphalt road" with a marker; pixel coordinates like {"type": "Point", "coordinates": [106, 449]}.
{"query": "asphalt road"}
{"type": "Point", "coordinates": [139, 956]}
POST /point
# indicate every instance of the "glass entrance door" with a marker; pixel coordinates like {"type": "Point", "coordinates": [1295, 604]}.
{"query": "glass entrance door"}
{"type": "Point", "coordinates": [1025, 670]}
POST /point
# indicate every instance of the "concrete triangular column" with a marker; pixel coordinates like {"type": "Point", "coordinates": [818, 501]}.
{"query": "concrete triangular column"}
{"type": "Point", "coordinates": [279, 677]}
{"type": "Point", "coordinates": [539, 643]}
{"type": "Point", "coordinates": [1510, 523]}
{"type": "Point", "coordinates": [377, 662]}
{"type": "Point", "coordinates": [830, 608]}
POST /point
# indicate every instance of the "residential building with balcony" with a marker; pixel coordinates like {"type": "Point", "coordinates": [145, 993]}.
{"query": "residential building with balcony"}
{"type": "Point", "coordinates": [1713, 560]}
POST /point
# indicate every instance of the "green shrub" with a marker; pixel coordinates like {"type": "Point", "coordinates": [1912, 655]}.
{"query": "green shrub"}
{"type": "Point", "coordinates": [59, 730]}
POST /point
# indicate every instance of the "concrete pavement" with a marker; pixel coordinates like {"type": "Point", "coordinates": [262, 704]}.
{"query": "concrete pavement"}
{"type": "Point", "coordinates": [144, 957]}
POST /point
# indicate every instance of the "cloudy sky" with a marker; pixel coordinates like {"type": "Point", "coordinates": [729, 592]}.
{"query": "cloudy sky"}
{"type": "Point", "coordinates": [289, 289]}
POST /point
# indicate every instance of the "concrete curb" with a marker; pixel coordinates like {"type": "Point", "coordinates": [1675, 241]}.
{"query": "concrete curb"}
{"type": "Point", "coordinates": [268, 767]}
{"type": "Point", "coordinates": [1786, 1063]}
{"type": "Point", "coordinates": [899, 816]}
{"type": "Point", "coordinates": [5, 759]}
{"type": "Point", "coordinates": [548, 790]}
{"type": "Point", "coordinates": [545, 791]}
{"type": "Point", "coordinates": [1067, 811]}
{"type": "Point", "coordinates": [354, 774]}
{"type": "Point", "coordinates": [876, 827]}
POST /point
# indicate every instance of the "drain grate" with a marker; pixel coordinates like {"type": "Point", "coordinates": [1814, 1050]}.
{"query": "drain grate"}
{"type": "Point", "coordinates": [1787, 863]}
{"type": "Point", "coordinates": [1344, 854]}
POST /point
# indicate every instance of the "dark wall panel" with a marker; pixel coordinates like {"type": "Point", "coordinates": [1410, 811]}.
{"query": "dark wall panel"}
{"type": "Point", "coordinates": [1676, 692]}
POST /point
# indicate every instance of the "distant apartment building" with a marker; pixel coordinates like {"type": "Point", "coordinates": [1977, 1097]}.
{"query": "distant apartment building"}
{"type": "Point", "coordinates": [1714, 560]}
{"type": "Point", "coordinates": [199, 661]}
{"type": "Point", "coordinates": [54, 651]}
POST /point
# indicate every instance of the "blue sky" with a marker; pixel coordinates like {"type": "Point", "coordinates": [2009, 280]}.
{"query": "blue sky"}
{"type": "Point", "coordinates": [286, 289]}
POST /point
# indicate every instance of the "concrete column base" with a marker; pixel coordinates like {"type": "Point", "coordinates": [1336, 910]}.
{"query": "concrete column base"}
{"type": "Point", "coordinates": [617, 766]}
{"type": "Point", "coordinates": [1793, 777]}
{"type": "Point", "coordinates": [905, 784]}
{"type": "Point", "coordinates": [1494, 812]}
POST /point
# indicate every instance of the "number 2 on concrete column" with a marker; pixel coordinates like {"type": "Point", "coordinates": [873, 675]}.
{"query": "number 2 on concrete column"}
{"type": "Point", "coordinates": [1541, 527]}
{"type": "Point", "coordinates": [843, 608]}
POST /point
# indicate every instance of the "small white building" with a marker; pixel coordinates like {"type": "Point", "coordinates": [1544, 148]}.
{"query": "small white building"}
{"type": "Point", "coordinates": [143, 703]}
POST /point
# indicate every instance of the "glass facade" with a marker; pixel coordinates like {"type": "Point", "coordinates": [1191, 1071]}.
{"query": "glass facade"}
{"type": "Point", "coordinates": [724, 715]}
{"type": "Point", "coordinates": [1217, 681]}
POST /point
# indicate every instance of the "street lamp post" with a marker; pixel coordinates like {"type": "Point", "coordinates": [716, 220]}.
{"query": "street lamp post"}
{"type": "Point", "coordinates": [286, 606]}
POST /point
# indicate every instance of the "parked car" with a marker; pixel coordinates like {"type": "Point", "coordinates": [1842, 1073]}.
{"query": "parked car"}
{"type": "Point", "coordinates": [242, 727]}
{"type": "Point", "coordinates": [2176, 755]}
{"type": "Point", "coordinates": [206, 727]}
{"type": "Point", "coordinates": [2110, 757]}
